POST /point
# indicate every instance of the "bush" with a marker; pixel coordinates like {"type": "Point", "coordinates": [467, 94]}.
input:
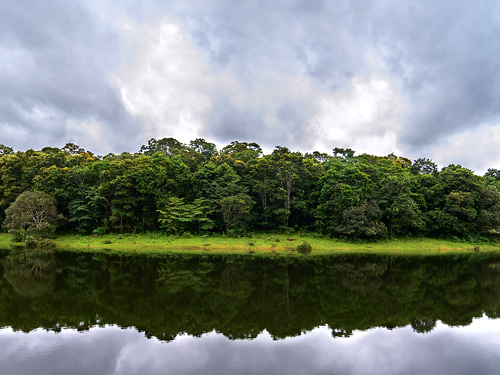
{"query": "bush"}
{"type": "Point", "coordinates": [30, 241]}
{"type": "Point", "coordinates": [304, 248]}
{"type": "Point", "coordinates": [18, 235]}
{"type": "Point", "coordinates": [46, 243]}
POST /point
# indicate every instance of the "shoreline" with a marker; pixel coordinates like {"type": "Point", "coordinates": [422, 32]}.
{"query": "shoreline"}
{"type": "Point", "coordinates": [262, 244]}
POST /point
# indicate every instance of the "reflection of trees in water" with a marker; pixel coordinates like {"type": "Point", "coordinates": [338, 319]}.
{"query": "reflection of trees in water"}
{"type": "Point", "coordinates": [31, 275]}
{"type": "Point", "coordinates": [364, 278]}
{"type": "Point", "coordinates": [241, 296]}
{"type": "Point", "coordinates": [489, 287]}
{"type": "Point", "coordinates": [423, 325]}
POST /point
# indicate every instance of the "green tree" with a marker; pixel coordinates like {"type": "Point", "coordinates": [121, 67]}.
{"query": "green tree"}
{"type": "Point", "coordinates": [396, 200]}
{"type": "Point", "coordinates": [488, 219]}
{"type": "Point", "coordinates": [423, 166]}
{"type": "Point", "coordinates": [201, 210]}
{"type": "Point", "coordinates": [362, 222]}
{"type": "Point", "coordinates": [207, 149]}
{"type": "Point", "coordinates": [454, 202]}
{"type": "Point", "coordinates": [343, 152]}
{"type": "Point", "coordinates": [236, 210]}
{"type": "Point", "coordinates": [340, 189]}
{"type": "Point", "coordinates": [5, 150]}
{"type": "Point", "coordinates": [34, 212]}
{"type": "Point", "coordinates": [72, 149]}
{"type": "Point", "coordinates": [166, 146]}
{"type": "Point", "coordinates": [263, 183]}
{"type": "Point", "coordinates": [176, 215]}
{"type": "Point", "coordinates": [290, 171]}
{"type": "Point", "coordinates": [119, 191]}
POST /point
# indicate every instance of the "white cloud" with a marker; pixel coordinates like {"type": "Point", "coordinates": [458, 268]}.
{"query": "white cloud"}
{"type": "Point", "coordinates": [91, 135]}
{"type": "Point", "coordinates": [475, 148]}
{"type": "Point", "coordinates": [365, 116]}
{"type": "Point", "coordinates": [168, 83]}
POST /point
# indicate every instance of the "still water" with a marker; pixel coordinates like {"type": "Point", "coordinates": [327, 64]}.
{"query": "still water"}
{"type": "Point", "coordinates": [63, 314]}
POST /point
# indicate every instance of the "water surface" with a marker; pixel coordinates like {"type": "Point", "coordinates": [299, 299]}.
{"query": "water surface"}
{"type": "Point", "coordinates": [64, 314]}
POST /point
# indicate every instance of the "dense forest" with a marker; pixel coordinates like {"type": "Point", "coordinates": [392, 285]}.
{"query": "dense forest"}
{"type": "Point", "coordinates": [195, 188]}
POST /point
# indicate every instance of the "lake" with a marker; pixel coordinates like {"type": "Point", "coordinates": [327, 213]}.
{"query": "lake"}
{"type": "Point", "coordinates": [96, 314]}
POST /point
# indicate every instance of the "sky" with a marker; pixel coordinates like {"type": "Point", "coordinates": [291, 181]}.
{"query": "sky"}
{"type": "Point", "coordinates": [414, 78]}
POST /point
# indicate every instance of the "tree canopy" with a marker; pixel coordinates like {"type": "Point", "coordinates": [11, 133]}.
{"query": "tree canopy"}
{"type": "Point", "coordinates": [168, 185]}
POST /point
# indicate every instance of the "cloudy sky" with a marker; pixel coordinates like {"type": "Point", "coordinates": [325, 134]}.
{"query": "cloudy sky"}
{"type": "Point", "coordinates": [417, 78]}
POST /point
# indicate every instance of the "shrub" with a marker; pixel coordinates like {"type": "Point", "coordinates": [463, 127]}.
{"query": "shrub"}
{"type": "Point", "coordinates": [18, 235]}
{"type": "Point", "coordinates": [30, 241]}
{"type": "Point", "coordinates": [304, 248]}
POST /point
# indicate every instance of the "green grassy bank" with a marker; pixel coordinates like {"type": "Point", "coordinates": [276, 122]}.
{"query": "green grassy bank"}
{"type": "Point", "coordinates": [260, 244]}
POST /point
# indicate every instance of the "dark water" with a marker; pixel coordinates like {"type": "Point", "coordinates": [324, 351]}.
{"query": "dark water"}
{"type": "Point", "coordinates": [65, 314]}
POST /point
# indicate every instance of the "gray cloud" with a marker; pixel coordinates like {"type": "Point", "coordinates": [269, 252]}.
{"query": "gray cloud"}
{"type": "Point", "coordinates": [437, 62]}
{"type": "Point", "coordinates": [57, 69]}
{"type": "Point", "coordinates": [443, 54]}
{"type": "Point", "coordinates": [446, 54]}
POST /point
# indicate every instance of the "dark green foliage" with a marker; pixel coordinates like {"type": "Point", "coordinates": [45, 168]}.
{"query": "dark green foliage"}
{"type": "Point", "coordinates": [424, 166]}
{"type": "Point", "coordinates": [343, 152]}
{"type": "Point", "coordinates": [4, 150]}
{"type": "Point", "coordinates": [179, 216]}
{"type": "Point", "coordinates": [194, 188]}
{"type": "Point", "coordinates": [362, 222]}
{"type": "Point", "coordinates": [488, 218]}
{"type": "Point", "coordinates": [205, 148]}
{"type": "Point", "coordinates": [304, 248]}
{"type": "Point", "coordinates": [167, 146]}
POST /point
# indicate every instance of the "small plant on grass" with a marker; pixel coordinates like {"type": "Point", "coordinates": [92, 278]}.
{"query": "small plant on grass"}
{"type": "Point", "coordinates": [304, 248]}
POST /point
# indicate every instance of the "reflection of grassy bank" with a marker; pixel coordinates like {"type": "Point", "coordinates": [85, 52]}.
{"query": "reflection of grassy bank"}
{"type": "Point", "coordinates": [260, 244]}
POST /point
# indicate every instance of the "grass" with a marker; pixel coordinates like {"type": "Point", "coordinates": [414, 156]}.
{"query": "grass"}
{"type": "Point", "coordinates": [261, 244]}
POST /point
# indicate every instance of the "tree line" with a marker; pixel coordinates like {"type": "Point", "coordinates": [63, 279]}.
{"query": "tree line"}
{"type": "Point", "coordinates": [195, 188]}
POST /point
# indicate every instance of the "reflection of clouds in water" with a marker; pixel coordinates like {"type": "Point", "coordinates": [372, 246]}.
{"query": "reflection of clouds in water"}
{"type": "Point", "coordinates": [453, 350]}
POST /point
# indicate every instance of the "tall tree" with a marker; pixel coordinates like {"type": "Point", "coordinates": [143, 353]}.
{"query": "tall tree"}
{"type": "Point", "coordinates": [207, 149]}
{"type": "Point", "coordinates": [341, 189]}
{"type": "Point", "coordinates": [5, 150]}
{"type": "Point", "coordinates": [167, 146]}
{"type": "Point", "coordinates": [290, 169]}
